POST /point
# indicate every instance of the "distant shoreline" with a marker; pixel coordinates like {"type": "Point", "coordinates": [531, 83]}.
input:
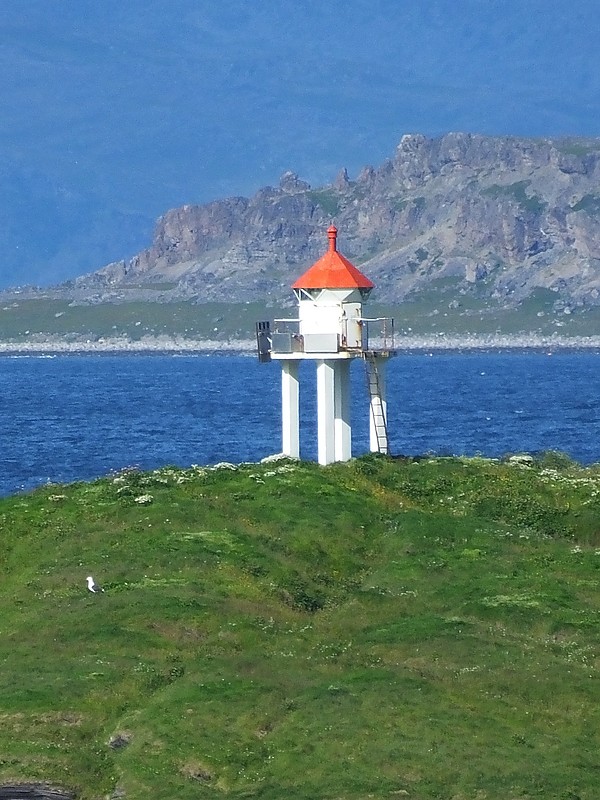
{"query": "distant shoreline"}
{"type": "Point", "coordinates": [174, 345]}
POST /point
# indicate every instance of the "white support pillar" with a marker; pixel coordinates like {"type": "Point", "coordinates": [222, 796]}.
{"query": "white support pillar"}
{"type": "Point", "coordinates": [343, 429]}
{"type": "Point", "coordinates": [326, 411]}
{"type": "Point", "coordinates": [378, 439]}
{"type": "Point", "coordinates": [290, 409]}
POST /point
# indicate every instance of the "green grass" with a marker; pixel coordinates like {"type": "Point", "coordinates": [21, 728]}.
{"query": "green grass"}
{"type": "Point", "coordinates": [517, 192]}
{"type": "Point", "coordinates": [429, 311]}
{"type": "Point", "coordinates": [433, 311]}
{"type": "Point", "coordinates": [422, 628]}
{"type": "Point", "coordinates": [134, 320]}
{"type": "Point", "coordinates": [590, 203]}
{"type": "Point", "coordinates": [577, 147]}
{"type": "Point", "coordinates": [327, 199]}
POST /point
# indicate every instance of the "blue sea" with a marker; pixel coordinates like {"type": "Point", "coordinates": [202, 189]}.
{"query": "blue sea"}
{"type": "Point", "coordinates": [67, 418]}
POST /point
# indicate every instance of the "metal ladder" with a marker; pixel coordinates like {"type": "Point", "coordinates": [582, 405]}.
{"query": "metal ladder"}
{"type": "Point", "coordinates": [376, 403]}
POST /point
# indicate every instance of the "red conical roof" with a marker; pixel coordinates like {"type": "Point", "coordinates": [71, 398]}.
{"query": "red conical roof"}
{"type": "Point", "coordinates": [333, 271]}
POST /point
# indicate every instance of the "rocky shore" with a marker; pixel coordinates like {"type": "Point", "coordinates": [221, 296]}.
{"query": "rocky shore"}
{"type": "Point", "coordinates": [176, 345]}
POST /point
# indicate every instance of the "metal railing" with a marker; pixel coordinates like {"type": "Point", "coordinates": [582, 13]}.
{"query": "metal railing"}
{"type": "Point", "coordinates": [380, 333]}
{"type": "Point", "coordinates": [284, 336]}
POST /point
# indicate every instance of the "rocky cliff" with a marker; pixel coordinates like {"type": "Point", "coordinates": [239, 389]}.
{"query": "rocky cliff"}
{"type": "Point", "coordinates": [499, 217]}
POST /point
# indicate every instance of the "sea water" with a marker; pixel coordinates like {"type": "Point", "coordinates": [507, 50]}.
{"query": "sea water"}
{"type": "Point", "coordinates": [77, 417]}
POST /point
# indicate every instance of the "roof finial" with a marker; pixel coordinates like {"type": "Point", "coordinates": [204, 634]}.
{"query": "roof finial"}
{"type": "Point", "coordinates": [332, 236]}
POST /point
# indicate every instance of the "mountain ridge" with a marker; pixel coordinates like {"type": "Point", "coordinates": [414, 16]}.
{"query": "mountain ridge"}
{"type": "Point", "coordinates": [114, 113]}
{"type": "Point", "coordinates": [460, 214]}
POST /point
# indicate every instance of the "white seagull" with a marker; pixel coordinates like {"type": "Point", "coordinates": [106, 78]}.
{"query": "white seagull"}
{"type": "Point", "coordinates": [93, 586]}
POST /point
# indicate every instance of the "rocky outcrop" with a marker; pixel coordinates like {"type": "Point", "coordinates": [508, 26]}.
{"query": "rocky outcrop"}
{"type": "Point", "coordinates": [499, 217]}
{"type": "Point", "coordinates": [33, 791]}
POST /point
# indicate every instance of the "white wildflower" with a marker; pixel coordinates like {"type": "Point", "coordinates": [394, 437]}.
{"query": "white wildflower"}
{"type": "Point", "coordinates": [144, 499]}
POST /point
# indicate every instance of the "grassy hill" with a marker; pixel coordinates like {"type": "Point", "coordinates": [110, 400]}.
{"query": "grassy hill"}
{"type": "Point", "coordinates": [431, 313]}
{"type": "Point", "coordinates": [419, 628]}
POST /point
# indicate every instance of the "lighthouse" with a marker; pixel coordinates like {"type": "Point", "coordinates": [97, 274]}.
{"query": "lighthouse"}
{"type": "Point", "coordinates": [331, 330]}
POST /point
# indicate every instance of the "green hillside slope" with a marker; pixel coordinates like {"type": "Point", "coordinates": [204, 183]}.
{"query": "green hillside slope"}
{"type": "Point", "coordinates": [380, 629]}
{"type": "Point", "coordinates": [36, 320]}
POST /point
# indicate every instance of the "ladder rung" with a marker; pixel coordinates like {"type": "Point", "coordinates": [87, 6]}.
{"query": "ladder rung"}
{"type": "Point", "coordinates": [379, 420]}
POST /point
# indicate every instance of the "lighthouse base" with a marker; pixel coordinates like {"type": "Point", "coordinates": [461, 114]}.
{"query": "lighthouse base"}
{"type": "Point", "coordinates": [334, 432]}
